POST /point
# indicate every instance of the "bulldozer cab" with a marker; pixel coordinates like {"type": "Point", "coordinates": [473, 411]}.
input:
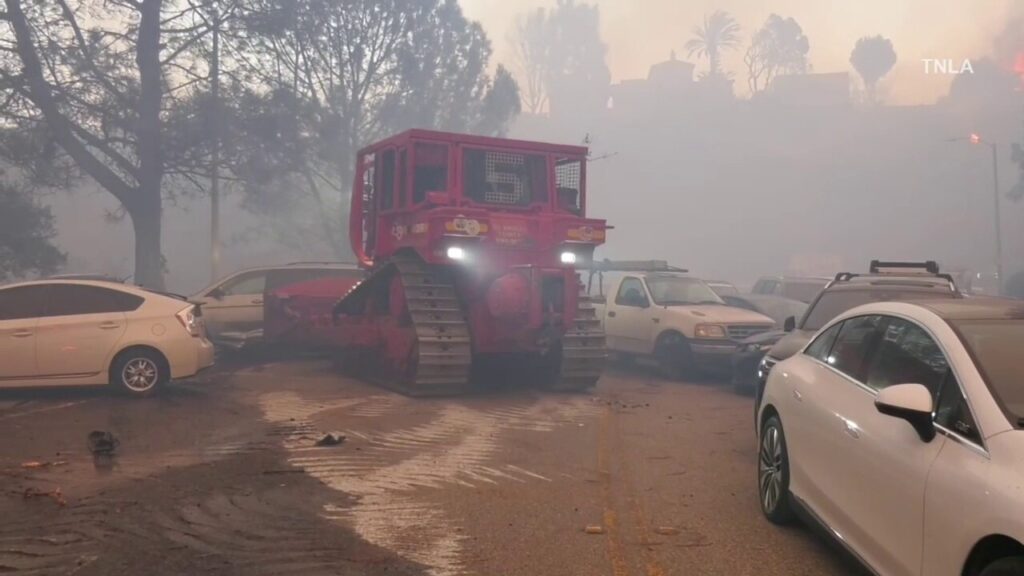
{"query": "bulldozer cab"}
{"type": "Point", "coordinates": [419, 171]}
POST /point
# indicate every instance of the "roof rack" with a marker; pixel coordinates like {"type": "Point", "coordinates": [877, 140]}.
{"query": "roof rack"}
{"type": "Point", "coordinates": [634, 266]}
{"type": "Point", "coordinates": [929, 266]}
{"type": "Point", "coordinates": [882, 268]}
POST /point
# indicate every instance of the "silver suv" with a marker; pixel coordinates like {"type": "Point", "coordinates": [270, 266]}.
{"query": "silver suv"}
{"type": "Point", "coordinates": [885, 281]}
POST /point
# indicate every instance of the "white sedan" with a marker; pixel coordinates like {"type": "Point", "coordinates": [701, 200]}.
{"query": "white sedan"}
{"type": "Point", "coordinates": [84, 333]}
{"type": "Point", "coordinates": [900, 429]}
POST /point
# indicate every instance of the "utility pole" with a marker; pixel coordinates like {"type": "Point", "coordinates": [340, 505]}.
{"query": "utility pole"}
{"type": "Point", "coordinates": [998, 228]}
{"type": "Point", "coordinates": [215, 246]}
{"type": "Point", "coordinates": [998, 221]}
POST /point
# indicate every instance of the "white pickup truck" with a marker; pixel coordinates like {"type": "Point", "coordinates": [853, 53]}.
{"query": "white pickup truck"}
{"type": "Point", "coordinates": [671, 318]}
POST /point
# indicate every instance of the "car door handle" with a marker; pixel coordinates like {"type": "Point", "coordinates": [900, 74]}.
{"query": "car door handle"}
{"type": "Point", "coordinates": [109, 325]}
{"type": "Point", "coordinates": [799, 397]}
{"type": "Point", "coordinates": [21, 334]}
{"type": "Point", "coordinates": [851, 429]}
{"type": "Point", "coordinates": [611, 314]}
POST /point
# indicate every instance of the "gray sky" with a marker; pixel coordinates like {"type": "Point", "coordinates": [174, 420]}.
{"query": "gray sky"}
{"type": "Point", "coordinates": [642, 32]}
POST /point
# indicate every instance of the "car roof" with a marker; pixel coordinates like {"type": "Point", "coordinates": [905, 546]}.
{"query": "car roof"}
{"type": "Point", "coordinates": [119, 286]}
{"type": "Point", "coordinates": [984, 308]}
{"type": "Point", "coordinates": [797, 278]}
{"type": "Point", "coordinates": [907, 283]}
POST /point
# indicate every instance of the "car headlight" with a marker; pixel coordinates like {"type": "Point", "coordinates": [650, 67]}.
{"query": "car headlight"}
{"type": "Point", "coordinates": [710, 331]}
{"type": "Point", "coordinates": [457, 253]}
{"type": "Point", "coordinates": [765, 366]}
{"type": "Point", "coordinates": [568, 257]}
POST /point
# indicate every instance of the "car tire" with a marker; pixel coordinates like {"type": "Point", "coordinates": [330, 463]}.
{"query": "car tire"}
{"type": "Point", "coordinates": [773, 473]}
{"type": "Point", "coordinates": [139, 372]}
{"type": "Point", "coordinates": [675, 360]}
{"type": "Point", "coordinates": [1005, 567]}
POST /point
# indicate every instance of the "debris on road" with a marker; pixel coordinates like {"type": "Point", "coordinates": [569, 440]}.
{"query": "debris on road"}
{"type": "Point", "coordinates": [666, 530]}
{"type": "Point", "coordinates": [102, 442]}
{"type": "Point", "coordinates": [331, 439]}
{"type": "Point", "coordinates": [31, 465]}
{"type": "Point", "coordinates": [594, 529]}
{"type": "Point", "coordinates": [55, 494]}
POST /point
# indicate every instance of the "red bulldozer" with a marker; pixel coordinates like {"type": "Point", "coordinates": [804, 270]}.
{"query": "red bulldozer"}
{"type": "Point", "coordinates": [471, 246]}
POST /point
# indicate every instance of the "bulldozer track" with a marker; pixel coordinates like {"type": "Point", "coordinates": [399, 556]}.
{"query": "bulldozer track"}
{"type": "Point", "coordinates": [443, 351]}
{"type": "Point", "coordinates": [443, 362]}
{"type": "Point", "coordinates": [583, 350]}
{"type": "Point", "coordinates": [444, 344]}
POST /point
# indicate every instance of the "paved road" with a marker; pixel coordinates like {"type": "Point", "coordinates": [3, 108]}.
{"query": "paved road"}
{"type": "Point", "coordinates": [221, 476]}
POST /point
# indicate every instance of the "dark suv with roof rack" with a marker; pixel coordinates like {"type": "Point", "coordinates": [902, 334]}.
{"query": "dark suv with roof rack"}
{"type": "Point", "coordinates": [885, 281]}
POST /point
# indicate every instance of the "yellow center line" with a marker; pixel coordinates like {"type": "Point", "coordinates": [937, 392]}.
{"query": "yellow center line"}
{"type": "Point", "coordinates": [651, 565]}
{"type": "Point", "coordinates": [611, 521]}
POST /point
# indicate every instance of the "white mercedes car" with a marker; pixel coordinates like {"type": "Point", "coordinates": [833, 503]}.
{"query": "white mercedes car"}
{"type": "Point", "coordinates": [900, 429]}
{"type": "Point", "coordinates": [85, 333]}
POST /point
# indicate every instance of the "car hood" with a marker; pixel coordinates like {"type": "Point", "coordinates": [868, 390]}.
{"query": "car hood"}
{"type": "Point", "coordinates": [790, 344]}
{"type": "Point", "coordinates": [720, 314]}
{"type": "Point", "coordinates": [764, 338]}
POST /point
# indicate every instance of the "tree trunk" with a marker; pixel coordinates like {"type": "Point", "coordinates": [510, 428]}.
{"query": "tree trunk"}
{"type": "Point", "coordinates": [147, 211]}
{"type": "Point", "coordinates": [149, 259]}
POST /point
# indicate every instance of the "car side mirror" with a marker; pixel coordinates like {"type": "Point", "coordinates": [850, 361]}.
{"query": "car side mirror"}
{"type": "Point", "coordinates": [910, 402]}
{"type": "Point", "coordinates": [789, 324]}
{"type": "Point", "coordinates": [216, 294]}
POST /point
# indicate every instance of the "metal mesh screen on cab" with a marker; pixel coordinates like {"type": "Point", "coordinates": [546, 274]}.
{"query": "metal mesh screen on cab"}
{"type": "Point", "coordinates": [567, 175]}
{"type": "Point", "coordinates": [506, 174]}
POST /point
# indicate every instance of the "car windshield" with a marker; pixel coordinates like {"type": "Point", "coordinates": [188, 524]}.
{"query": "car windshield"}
{"type": "Point", "coordinates": [724, 289]}
{"type": "Point", "coordinates": [834, 303]}
{"type": "Point", "coordinates": [995, 345]}
{"type": "Point", "coordinates": [668, 291]}
{"type": "Point", "coordinates": [802, 290]}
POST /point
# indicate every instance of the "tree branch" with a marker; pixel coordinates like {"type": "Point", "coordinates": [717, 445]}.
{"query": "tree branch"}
{"type": "Point", "coordinates": [59, 125]}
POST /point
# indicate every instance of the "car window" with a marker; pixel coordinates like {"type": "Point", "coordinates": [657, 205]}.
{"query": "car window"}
{"type": "Point", "coordinates": [907, 355]}
{"type": "Point", "coordinates": [677, 290]}
{"type": "Point", "coordinates": [277, 279]}
{"type": "Point", "coordinates": [995, 346]}
{"type": "Point", "coordinates": [22, 302]}
{"type": "Point", "coordinates": [631, 293]}
{"type": "Point", "coordinates": [953, 413]}
{"type": "Point", "coordinates": [858, 339]}
{"type": "Point", "coordinates": [245, 284]}
{"type": "Point", "coordinates": [73, 300]}
{"type": "Point", "coordinates": [832, 303]}
{"type": "Point", "coordinates": [822, 345]}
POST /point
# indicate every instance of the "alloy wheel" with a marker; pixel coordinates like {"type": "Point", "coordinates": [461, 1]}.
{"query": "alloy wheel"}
{"type": "Point", "coordinates": [140, 374]}
{"type": "Point", "coordinates": [770, 469]}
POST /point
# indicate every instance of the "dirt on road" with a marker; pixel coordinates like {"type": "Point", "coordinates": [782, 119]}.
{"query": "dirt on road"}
{"type": "Point", "coordinates": [223, 476]}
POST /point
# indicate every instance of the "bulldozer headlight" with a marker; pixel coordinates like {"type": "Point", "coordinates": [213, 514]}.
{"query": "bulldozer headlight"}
{"type": "Point", "coordinates": [568, 257]}
{"type": "Point", "coordinates": [456, 253]}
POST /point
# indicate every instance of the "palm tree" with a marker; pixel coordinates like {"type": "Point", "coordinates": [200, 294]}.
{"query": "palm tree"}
{"type": "Point", "coordinates": [719, 33]}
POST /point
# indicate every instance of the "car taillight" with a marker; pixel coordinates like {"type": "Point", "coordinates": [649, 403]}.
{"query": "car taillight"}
{"type": "Point", "coordinates": [190, 321]}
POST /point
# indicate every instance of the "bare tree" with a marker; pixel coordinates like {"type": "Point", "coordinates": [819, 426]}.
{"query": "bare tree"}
{"type": "Point", "coordinates": [872, 57]}
{"type": "Point", "coordinates": [90, 87]}
{"type": "Point", "coordinates": [321, 78]}
{"type": "Point", "coordinates": [530, 44]}
{"type": "Point", "coordinates": [560, 57]}
{"type": "Point", "coordinates": [778, 47]}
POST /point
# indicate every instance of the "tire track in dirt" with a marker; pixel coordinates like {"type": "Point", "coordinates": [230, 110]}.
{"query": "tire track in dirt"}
{"type": "Point", "coordinates": [392, 472]}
